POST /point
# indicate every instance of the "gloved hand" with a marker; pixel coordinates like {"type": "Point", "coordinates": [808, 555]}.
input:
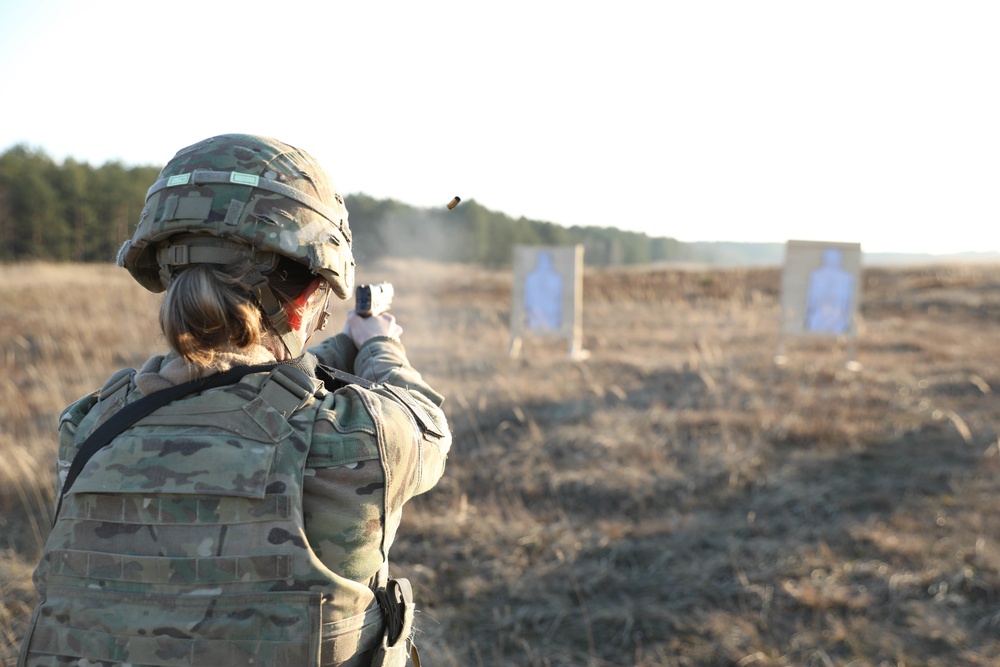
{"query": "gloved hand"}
{"type": "Point", "coordinates": [361, 329]}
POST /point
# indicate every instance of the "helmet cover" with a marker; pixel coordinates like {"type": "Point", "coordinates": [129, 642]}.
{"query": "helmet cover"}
{"type": "Point", "coordinates": [256, 194]}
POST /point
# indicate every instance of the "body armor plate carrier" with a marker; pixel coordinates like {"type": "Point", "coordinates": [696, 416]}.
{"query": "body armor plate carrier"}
{"type": "Point", "coordinates": [183, 544]}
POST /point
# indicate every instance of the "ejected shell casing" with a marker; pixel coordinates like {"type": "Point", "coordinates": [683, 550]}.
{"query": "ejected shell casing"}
{"type": "Point", "coordinates": [453, 203]}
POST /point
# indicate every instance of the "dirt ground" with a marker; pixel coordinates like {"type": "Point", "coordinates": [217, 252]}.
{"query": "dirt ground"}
{"type": "Point", "coordinates": [677, 498]}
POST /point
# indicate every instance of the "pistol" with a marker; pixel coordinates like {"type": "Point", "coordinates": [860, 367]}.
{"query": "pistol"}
{"type": "Point", "coordinates": [372, 299]}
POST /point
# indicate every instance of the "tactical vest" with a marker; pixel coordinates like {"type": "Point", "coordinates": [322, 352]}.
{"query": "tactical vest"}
{"type": "Point", "coordinates": [183, 543]}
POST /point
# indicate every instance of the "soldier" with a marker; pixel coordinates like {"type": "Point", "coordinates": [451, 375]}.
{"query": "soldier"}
{"type": "Point", "coordinates": [233, 502]}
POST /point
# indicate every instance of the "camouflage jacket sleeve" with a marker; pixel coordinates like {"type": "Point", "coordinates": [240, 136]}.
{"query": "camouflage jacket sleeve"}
{"type": "Point", "coordinates": [337, 352]}
{"type": "Point", "coordinates": [372, 450]}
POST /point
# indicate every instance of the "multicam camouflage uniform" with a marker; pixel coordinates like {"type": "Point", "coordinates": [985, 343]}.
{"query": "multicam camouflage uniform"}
{"type": "Point", "coordinates": [244, 525]}
{"type": "Point", "coordinates": [218, 532]}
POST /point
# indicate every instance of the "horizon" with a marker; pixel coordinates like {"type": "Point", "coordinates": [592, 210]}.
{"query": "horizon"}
{"type": "Point", "coordinates": [894, 256]}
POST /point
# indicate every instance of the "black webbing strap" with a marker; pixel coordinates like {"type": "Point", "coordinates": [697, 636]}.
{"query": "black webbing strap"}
{"type": "Point", "coordinates": [334, 378]}
{"type": "Point", "coordinates": [133, 412]}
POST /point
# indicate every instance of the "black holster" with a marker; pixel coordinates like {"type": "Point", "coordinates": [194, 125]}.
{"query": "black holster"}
{"type": "Point", "coordinates": [396, 601]}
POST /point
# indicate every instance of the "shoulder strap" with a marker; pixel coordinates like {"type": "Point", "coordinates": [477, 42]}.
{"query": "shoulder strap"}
{"type": "Point", "coordinates": [133, 412]}
{"type": "Point", "coordinates": [288, 388]}
{"type": "Point", "coordinates": [334, 378]}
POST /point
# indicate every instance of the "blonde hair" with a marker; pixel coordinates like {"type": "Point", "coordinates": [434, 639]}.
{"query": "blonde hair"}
{"type": "Point", "coordinates": [207, 309]}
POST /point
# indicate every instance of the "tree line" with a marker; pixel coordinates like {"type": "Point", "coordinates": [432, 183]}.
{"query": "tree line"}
{"type": "Point", "coordinates": [69, 211]}
{"type": "Point", "coordinates": [72, 211]}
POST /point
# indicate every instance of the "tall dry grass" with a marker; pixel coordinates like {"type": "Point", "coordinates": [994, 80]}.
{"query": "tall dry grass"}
{"type": "Point", "coordinates": [676, 499]}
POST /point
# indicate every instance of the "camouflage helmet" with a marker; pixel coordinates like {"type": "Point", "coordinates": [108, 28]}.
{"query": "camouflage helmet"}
{"type": "Point", "coordinates": [241, 194]}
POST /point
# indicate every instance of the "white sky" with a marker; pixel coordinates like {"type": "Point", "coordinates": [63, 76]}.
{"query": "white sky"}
{"type": "Point", "coordinates": [859, 121]}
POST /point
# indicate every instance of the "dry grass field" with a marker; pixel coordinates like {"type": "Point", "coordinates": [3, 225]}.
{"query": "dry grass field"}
{"type": "Point", "coordinates": [676, 499]}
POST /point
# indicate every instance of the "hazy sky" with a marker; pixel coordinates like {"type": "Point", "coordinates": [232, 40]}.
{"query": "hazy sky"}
{"type": "Point", "coordinates": [875, 122]}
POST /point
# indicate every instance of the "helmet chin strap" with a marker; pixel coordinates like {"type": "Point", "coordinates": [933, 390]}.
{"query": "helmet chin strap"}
{"type": "Point", "coordinates": [274, 312]}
